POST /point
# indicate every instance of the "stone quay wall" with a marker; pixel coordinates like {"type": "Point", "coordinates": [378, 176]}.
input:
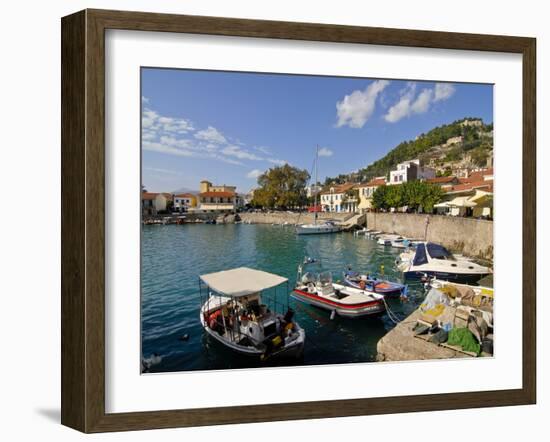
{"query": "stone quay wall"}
{"type": "Point", "coordinates": [470, 236]}
{"type": "Point", "coordinates": [291, 218]}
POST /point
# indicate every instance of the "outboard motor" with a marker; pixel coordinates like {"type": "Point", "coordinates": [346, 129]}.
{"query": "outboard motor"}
{"type": "Point", "coordinates": [289, 315]}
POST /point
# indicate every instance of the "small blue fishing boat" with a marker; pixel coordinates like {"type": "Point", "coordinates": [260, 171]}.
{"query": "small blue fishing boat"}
{"type": "Point", "coordinates": [373, 284]}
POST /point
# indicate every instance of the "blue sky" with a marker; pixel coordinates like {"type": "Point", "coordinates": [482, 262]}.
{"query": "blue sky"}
{"type": "Point", "coordinates": [229, 127]}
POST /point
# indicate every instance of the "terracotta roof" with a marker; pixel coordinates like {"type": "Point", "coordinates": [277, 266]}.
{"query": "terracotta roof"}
{"type": "Point", "coordinates": [482, 185]}
{"type": "Point", "coordinates": [167, 195]}
{"type": "Point", "coordinates": [481, 173]}
{"type": "Point", "coordinates": [184, 195]}
{"type": "Point", "coordinates": [217, 194]}
{"type": "Point", "coordinates": [338, 188]}
{"type": "Point", "coordinates": [148, 195]}
{"type": "Point", "coordinates": [374, 182]}
{"type": "Point", "coordinates": [441, 179]}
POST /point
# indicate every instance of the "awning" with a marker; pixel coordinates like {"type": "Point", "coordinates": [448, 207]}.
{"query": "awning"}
{"type": "Point", "coordinates": [461, 201]}
{"type": "Point", "coordinates": [242, 281]}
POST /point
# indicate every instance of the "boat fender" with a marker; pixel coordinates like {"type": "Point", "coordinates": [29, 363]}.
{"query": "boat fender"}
{"type": "Point", "coordinates": [277, 340]}
{"type": "Point", "coordinates": [332, 314]}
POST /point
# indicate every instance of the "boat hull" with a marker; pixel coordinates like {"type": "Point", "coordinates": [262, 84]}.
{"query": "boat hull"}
{"type": "Point", "coordinates": [369, 308]}
{"type": "Point", "coordinates": [389, 288]}
{"type": "Point", "coordinates": [293, 349]}
{"type": "Point", "coordinates": [463, 278]}
{"type": "Point", "coordinates": [316, 230]}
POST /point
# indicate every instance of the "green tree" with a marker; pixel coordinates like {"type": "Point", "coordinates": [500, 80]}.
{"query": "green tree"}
{"type": "Point", "coordinates": [413, 194]}
{"type": "Point", "coordinates": [432, 195]}
{"type": "Point", "coordinates": [379, 198]}
{"type": "Point", "coordinates": [281, 187]}
{"type": "Point", "coordinates": [394, 196]}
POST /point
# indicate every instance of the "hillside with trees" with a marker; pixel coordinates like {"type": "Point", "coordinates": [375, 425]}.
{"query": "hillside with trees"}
{"type": "Point", "coordinates": [432, 149]}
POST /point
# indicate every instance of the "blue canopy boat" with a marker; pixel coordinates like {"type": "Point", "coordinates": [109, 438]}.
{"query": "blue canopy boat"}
{"type": "Point", "coordinates": [373, 284]}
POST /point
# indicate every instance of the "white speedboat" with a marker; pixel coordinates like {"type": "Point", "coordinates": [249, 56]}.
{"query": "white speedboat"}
{"type": "Point", "coordinates": [387, 240]}
{"type": "Point", "coordinates": [403, 243]}
{"type": "Point", "coordinates": [236, 314]}
{"type": "Point", "coordinates": [317, 228]}
{"type": "Point", "coordinates": [431, 260]}
{"type": "Point", "coordinates": [319, 290]}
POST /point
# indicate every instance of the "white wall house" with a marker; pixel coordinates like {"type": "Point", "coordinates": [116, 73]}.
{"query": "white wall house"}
{"type": "Point", "coordinates": [410, 171]}
{"type": "Point", "coordinates": [334, 199]}
{"type": "Point", "coordinates": [184, 201]}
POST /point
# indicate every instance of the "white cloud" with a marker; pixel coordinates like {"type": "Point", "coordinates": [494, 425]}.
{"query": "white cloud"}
{"type": "Point", "coordinates": [422, 102]}
{"type": "Point", "coordinates": [355, 109]}
{"type": "Point", "coordinates": [325, 152]}
{"type": "Point", "coordinates": [144, 99]}
{"type": "Point", "coordinates": [146, 135]}
{"type": "Point", "coordinates": [163, 171]}
{"type": "Point", "coordinates": [443, 91]}
{"type": "Point", "coordinates": [277, 162]}
{"type": "Point", "coordinates": [148, 118]}
{"type": "Point", "coordinates": [152, 121]}
{"type": "Point", "coordinates": [166, 148]}
{"type": "Point", "coordinates": [408, 104]}
{"type": "Point", "coordinates": [254, 173]}
{"type": "Point", "coordinates": [236, 151]}
{"type": "Point", "coordinates": [170, 135]}
{"type": "Point", "coordinates": [263, 149]}
{"type": "Point", "coordinates": [211, 135]}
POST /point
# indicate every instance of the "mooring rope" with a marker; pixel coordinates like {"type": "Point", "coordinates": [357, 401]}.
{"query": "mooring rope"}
{"type": "Point", "coordinates": [393, 317]}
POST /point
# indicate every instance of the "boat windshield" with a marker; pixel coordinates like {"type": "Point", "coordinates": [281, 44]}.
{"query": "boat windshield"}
{"type": "Point", "coordinates": [420, 257]}
{"type": "Point", "coordinates": [437, 251]}
{"type": "Point", "coordinates": [325, 278]}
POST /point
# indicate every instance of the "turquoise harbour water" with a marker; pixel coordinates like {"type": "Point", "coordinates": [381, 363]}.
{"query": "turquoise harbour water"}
{"type": "Point", "coordinates": [173, 257]}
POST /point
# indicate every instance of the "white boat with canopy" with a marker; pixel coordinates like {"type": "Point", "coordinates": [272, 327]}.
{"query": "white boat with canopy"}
{"type": "Point", "coordinates": [236, 313]}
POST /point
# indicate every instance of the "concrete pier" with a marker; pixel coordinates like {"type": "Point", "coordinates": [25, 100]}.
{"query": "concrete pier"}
{"type": "Point", "coordinates": [400, 344]}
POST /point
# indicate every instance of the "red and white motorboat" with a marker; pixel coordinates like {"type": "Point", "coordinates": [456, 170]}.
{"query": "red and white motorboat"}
{"type": "Point", "coordinates": [349, 302]}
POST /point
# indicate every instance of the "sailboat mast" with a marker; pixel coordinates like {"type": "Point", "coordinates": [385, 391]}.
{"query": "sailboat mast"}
{"type": "Point", "coordinates": [315, 184]}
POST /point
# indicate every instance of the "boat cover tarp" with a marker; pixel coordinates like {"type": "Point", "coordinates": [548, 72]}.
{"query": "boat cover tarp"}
{"type": "Point", "coordinates": [437, 251]}
{"type": "Point", "coordinates": [465, 339]}
{"type": "Point", "coordinates": [433, 298]}
{"type": "Point", "coordinates": [420, 255]}
{"type": "Point", "coordinates": [242, 281]}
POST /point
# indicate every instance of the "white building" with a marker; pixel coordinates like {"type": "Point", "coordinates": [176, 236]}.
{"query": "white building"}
{"type": "Point", "coordinates": [335, 199]}
{"type": "Point", "coordinates": [410, 171]}
{"type": "Point", "coordinates": [217, 198]}
{"type": "Point", "coordinates": [184, 201]}
{"type": "Point", "coordinates": [313, 190]}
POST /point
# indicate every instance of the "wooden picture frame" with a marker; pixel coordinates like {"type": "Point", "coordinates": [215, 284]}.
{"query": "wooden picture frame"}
{"type": "Point", "coordinates": [83, 219]}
